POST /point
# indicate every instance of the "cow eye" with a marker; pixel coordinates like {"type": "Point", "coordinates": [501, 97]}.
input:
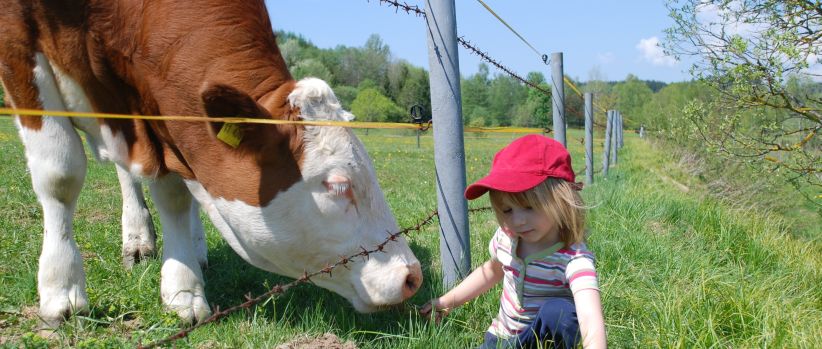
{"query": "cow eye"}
{"type": "Point", "coordinates": [338, 185]}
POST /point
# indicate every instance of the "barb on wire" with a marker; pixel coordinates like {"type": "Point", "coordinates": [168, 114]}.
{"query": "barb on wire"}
{"type": "Point", "coordinates": [405, 7]}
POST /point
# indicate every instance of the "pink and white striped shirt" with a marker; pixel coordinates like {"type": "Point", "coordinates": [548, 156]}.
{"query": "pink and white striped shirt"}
{"type": "Point", "coordinates": [526, 284]}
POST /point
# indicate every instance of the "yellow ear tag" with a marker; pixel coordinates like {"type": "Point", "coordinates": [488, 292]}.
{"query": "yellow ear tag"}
{"type": "Point", "coordinates": [231, 134]}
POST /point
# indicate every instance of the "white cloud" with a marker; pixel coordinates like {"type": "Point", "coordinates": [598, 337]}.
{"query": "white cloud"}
{"type": "Point", "coordinates": [651, 52]}
{"type": "Point", "coordinates": [606, 58]}
{"type": "Point", "coordinates": [814, 70]}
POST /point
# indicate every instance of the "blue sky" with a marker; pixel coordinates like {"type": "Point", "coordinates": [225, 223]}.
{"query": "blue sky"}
{"type": "Point", "coordinates": [614, 38]}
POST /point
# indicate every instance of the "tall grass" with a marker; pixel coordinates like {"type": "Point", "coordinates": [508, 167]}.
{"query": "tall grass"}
{"type": "Point", "coordinates": [676, 269]}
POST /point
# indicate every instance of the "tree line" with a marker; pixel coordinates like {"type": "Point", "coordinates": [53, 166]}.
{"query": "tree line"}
{"type": "Point", "coordinates": [376, 86]}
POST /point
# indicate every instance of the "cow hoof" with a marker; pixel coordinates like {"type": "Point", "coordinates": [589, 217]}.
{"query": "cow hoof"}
{"type": "Point", "coordinates": [190, 307]}
{"type": "Point", "coordinates": [135, 252]}
{"type": "Point", "coordinates": [56, 310]}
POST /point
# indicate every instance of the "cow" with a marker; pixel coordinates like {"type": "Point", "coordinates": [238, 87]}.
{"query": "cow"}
{"type": "Point", "coordinates": [287, 198]}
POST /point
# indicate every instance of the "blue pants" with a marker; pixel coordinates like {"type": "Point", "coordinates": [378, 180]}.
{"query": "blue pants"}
{"type": "Point", "coordinates": [556, 324]}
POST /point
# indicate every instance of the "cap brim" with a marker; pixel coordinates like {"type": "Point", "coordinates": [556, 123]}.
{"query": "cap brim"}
{"type": "Point", "coordinates": [510, 183]}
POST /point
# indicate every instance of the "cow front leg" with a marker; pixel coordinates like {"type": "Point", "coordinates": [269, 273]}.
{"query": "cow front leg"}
{"type": "Point", "coordinates": [181, 279]}
{"type": "Point", "coordinates": [138, 230]}
{"type": "Point", "coordinates": [198, 235]}
{"type": "Point", "coordinates": [57, 164]}
{"type": "Point", "coordinates": [58, 168]}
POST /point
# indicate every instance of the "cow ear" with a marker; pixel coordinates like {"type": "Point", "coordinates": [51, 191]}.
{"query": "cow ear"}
{"type": "Point", "coordinates": [221, 100]}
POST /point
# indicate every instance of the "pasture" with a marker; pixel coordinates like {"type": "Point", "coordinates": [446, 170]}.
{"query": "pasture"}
{"type": "Point", "coordinates": [677, 269]}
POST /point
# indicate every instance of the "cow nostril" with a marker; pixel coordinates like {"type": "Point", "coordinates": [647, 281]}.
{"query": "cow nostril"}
{"type": "Point", "coordinates": [413, 281]}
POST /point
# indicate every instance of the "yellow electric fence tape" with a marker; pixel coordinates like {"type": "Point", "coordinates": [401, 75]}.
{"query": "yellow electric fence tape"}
{"type": "Point", "coordinates": [238, 120]}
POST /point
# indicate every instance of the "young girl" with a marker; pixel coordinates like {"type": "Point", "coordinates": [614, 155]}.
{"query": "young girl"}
{"type": "Point", "coordinates": [549, 284]}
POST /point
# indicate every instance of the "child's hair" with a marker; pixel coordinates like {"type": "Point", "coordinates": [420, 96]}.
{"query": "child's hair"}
{"type": "Point", "coordinates": [556, 198]}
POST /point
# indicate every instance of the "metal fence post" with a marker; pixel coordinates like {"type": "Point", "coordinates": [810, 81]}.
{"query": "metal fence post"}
{"type": "Point", "coordinates": [558, 97]}
{"type": "Point", "coordinates": [606, 156]}
{"type": "Point", "coordinates": [589, 138]}
{"type": "Point", "coordinates": [621, 138]}
{"type": "Point", "coordinates": [614, 136]}
{"type": "Point", "coordinates": [449, 150]}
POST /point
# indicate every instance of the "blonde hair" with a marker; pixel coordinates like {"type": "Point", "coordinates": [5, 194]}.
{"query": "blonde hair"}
{"type": "Point", "coordinates": [554, 197]}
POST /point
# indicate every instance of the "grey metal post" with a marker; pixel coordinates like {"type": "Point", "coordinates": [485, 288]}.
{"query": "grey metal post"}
{"type": "Point", "coordinates": [558, 97]}
{"type": "Point", "coordinates": [606, 156]}
{"type": "Point", "coordinates": [614, 136]}
{"type": "Point", "coordinates": [589, 138]}
{"type": "Point", "coordinates": [620, 139]}
{"type": "Point", "coordinates": [449, 150]}
{"type": "Point", "coordinates": [642, 131]}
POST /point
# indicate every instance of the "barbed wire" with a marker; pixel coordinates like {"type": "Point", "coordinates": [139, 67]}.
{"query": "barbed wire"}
{"type": "Point", "coordinates": [405, 7]}
{"type": "Point", "coordinates": [467, 44]}
{"type": "Point", "coordinates": [305, 278]}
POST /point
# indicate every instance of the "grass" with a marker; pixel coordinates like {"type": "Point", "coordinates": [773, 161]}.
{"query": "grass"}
{"type": "Point", "coordinates": [676, 269]}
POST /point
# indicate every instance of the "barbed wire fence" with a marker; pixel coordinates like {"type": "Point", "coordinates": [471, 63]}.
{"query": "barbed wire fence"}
{"type": "Point", "coordinates": [364, 252]}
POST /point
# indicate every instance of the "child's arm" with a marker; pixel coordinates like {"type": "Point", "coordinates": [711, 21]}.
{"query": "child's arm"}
{"type": "Point", "coordinates": [591, 322]}
{"type": "Point", "coordinates": [481, 280]}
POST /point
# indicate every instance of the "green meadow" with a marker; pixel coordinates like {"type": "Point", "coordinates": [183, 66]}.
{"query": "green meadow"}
{"type": "Point", "coordinates": [678, 267]}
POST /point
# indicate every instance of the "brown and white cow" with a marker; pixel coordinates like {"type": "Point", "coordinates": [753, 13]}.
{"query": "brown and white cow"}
{"type": "Point", "coordinates": [287, 199]}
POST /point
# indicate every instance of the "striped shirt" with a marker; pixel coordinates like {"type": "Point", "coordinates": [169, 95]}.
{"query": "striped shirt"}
{"type": "Point", "coordinates": [554, 272]}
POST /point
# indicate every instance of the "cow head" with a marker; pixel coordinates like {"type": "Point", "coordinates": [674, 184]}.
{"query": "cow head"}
{"type": "Point", "coordinates": [332, 208]}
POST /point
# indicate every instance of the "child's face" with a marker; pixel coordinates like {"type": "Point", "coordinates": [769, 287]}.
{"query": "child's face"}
{"type": "Point", "coordinates": [529, 224]}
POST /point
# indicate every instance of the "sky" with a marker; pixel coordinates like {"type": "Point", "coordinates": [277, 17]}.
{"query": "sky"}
{"type": "Point", "coordinates": [609, 39]}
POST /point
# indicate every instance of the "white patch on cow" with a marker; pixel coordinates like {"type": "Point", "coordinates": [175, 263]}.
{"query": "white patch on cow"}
{"type": "Point", "coordinates": [75, 99]}
{"type": "Point", "coordinates": [317, 101]}
{"type": "Point", "coordinates": [57, 164]}
{"type": "Point", "coordinates": [181, 279]}
{"type": "Point", "coordinates": [198, 235]}
{"type": "Point", "coordinates": [116, 147]}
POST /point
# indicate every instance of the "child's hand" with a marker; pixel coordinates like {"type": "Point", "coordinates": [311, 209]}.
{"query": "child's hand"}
{"type": "Point", "coordinates": [434, 310]}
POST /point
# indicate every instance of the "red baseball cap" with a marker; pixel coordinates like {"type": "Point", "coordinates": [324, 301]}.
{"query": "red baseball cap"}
{"type": "Point", "coordinates": [523, 164]}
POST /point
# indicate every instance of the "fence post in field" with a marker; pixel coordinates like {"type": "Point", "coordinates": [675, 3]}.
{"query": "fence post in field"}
{"type": "Point", "coordinates": [589, 138]}
{"type": "Point", "coordinates": [614, 136]}
{"type": "Point", "coordinates": [621, 132]}
{"type": "Point", "coordinates": [449, 149]}
{"type": "Point", "coordinates": [606, 155]}
{"type": "Point", "coordinates": [558, 97]}
{"type": "Point", "coordinates": [642, 131]}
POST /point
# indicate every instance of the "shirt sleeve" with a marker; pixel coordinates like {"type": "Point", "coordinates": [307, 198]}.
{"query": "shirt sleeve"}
{"type": "Point", "coordinates": [581, 273]}
{"type": "Point", "coordinates": [494, 244]}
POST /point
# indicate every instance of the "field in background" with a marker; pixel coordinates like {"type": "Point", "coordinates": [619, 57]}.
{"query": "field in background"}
{"type": "Point", "coordinates": [677, 268]}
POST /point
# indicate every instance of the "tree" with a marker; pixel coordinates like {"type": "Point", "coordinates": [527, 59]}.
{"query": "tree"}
{"type": "Point", "coordinates": [536, 111]}
{"type": "Point", "coordinates": [371, 105]}
{"type": "Point", "coordinates": [504, 95]}
{"type": "Point", "coordinates": [750, 52]}
{"type": "Point", "coordinates": [631, 96]}
{"type": "Point", "coordinates": [311, 68]}
{"type": "Point", "coordinates": [474, 91]}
